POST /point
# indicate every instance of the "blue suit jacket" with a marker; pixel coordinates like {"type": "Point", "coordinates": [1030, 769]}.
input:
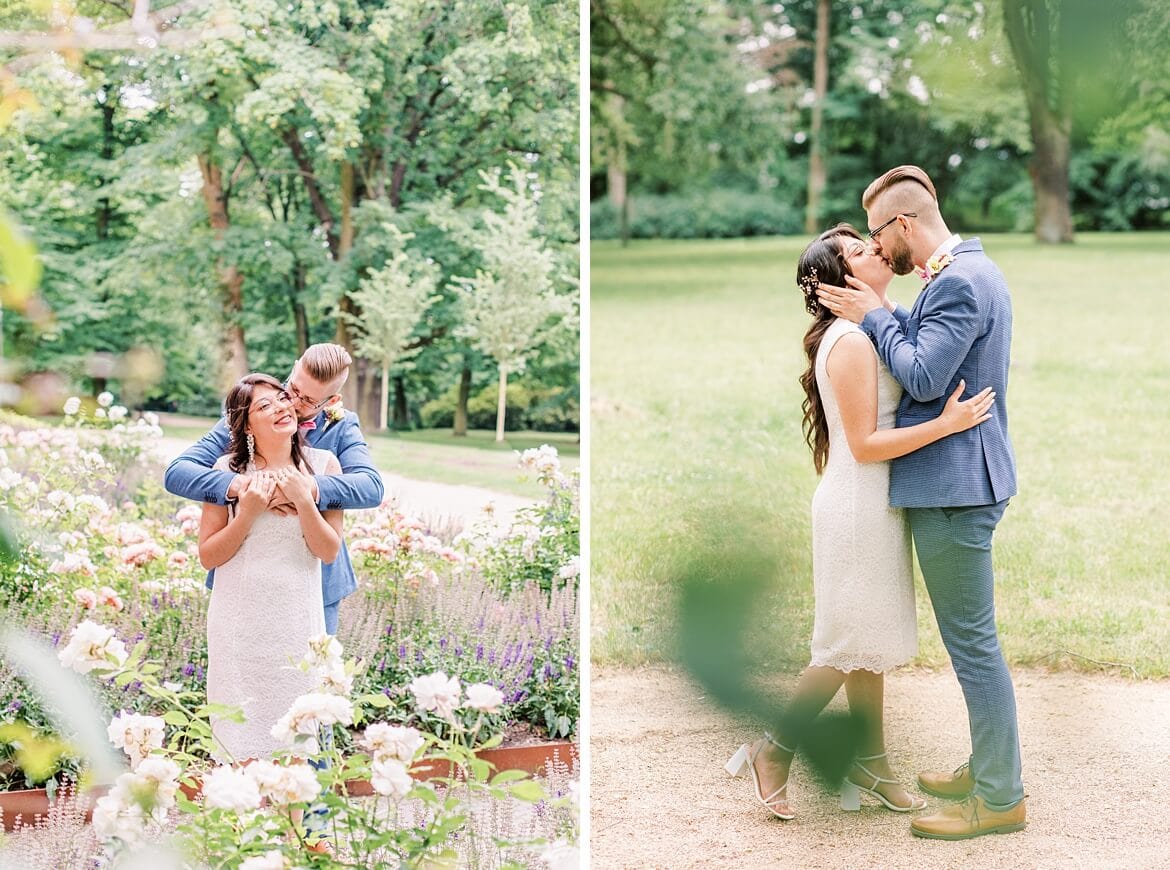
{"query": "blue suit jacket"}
{"type": "Point", "coordinates": [960, 327]}
{"type": "Point", "coordinates": [358, 486]}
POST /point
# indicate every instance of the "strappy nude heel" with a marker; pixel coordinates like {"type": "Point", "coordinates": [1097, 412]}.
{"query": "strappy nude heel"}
{"type": "Point", "coordinates": [744, 761]}
{"type": "Point", "coordinates": [851, 791]}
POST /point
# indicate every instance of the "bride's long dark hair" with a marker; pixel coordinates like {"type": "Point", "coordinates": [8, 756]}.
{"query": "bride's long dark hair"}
{"type": "Point", "coordinates": [822, 261]}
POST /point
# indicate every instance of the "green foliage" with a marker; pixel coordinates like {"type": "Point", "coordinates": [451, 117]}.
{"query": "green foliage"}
{"type": "Point", "coordinates": [531, 406]}
{"type": "Point", "coordinates": [698, 215]}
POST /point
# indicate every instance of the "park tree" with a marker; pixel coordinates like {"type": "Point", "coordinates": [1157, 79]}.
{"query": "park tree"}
{"type": "Point", "coordinates": [1072, 56]}
{"type": "Point", "coordinates": [393, 299]}
{"type": "Point", "coordinates": [511, 305]}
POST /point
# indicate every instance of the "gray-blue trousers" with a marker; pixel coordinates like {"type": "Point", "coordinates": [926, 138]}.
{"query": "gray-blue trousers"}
{"type": "Point", "coordinates": [954, 552]}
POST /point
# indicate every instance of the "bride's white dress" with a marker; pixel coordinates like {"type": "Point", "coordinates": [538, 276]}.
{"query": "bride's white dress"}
{"type": "Point", "coordinates": [265, 605]}
{"type": "Point", "coordinates": [862, 575]}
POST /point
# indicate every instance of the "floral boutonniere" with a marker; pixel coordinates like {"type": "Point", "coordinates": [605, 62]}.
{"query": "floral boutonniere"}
{"type": "Point", "coordinates": [335, 413]}
{"type": "Point", "coordinates": [933, 266]}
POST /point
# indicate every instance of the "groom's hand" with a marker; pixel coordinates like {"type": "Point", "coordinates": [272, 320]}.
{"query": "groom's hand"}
{"type": "Point", "coordinates": [852, 302]}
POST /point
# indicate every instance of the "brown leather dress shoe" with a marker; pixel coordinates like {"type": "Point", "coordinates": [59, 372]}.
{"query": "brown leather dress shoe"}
{"type": "Point", "coordinates": [969, 819]}
{"type": "Point", "coordinates": [953, 786]}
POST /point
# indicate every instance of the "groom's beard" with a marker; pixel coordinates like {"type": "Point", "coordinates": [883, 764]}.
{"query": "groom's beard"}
{"type": "Point", "coordinates": [900, 259]}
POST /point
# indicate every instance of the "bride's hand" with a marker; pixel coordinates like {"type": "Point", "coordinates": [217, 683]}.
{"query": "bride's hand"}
{"type": "Point", "coordinates": [254, 494]}
{"type": "Point", "coordinates": [959, 416]}
{"type": "Point", "coordinates": [297, 487]}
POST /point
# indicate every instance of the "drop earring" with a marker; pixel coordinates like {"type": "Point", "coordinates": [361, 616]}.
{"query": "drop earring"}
{"type": "Point", "coordinates": [251, 442]}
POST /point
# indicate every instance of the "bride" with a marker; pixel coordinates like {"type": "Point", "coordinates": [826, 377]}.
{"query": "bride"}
{"type": "Point", "coordinates": [864, 617]}
{"type": "Point", "coordinates": [267, 602]}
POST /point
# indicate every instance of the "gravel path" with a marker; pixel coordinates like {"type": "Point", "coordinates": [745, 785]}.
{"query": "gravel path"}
{"type": "Point", "coordinates": [1095, 750]}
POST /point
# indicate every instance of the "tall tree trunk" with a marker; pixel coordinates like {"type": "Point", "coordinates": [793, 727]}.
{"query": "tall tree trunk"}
{"type": "Point", "coordinates": [104, 210]}
{"type": "Point", "coordinates": [384, 404]}
{"type": "Point", "coordinates": [1033, 31]}
{"type": "Point", "coordinates": [296, 299]}
{"type": "Point", "coordinates": [231, 281]}
{"type": "Point", "coordinates": [401, 406]}
{"type": "Point", "coordinates": [817, 173]}
{"type": "Point", "coordinates": [617, 170]}
{"type": "Point", "coordinates": [460, 427]}
{"type": "Point", "coordinates": [502, 405]}
{"type": "Point", "coordinates": [1049, 170]}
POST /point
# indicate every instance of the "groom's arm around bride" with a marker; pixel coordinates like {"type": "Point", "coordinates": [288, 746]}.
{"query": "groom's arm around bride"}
{"type": "Point", "coordinates": [313, 385]}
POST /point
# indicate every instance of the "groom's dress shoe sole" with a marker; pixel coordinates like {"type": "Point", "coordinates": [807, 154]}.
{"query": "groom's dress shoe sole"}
{"type": "Point", "coordinates": [969, 819]}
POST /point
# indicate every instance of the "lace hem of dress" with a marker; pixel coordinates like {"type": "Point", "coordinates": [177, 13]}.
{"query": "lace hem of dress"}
{"type": "Point", "coordinates": [846, 664]}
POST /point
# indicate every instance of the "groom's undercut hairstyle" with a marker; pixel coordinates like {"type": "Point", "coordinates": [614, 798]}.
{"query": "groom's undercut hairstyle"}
{"type": "Point", "coordinates": [326, 363]}
{"type": "Point", "coordinates": [903, 190]}
{"type": "Point", "coordinates": [896, 177]}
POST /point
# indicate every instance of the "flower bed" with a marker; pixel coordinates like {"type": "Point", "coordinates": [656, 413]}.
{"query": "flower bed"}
{"type": "Point", "coordinates": [102, 546]}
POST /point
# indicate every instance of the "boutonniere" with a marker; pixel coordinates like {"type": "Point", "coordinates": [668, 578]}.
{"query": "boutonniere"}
{"type": "Point", "coordinates": [335, 413]}
{"type": "Point", "coordinates": [933, 266]}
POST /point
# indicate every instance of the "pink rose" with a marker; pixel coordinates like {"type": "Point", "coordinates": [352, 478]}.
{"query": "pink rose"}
{"type": "Point", "coordinates": [87, 598]}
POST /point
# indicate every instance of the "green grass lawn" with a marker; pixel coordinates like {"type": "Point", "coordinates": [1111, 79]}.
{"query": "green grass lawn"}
{"type": "Point", "coordinates": [434, 454]}
{"type": "Point", "coordinates": [697, 450]}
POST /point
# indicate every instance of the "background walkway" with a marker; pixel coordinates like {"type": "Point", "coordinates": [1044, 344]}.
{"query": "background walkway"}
{"type": "Point", "coordinates": [1095, 752]}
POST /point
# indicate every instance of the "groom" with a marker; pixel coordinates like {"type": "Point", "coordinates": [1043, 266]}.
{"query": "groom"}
{"type": "Point", "coordinates": [954, 490]}
{"type": "Point", "coordinates": [315, 382]}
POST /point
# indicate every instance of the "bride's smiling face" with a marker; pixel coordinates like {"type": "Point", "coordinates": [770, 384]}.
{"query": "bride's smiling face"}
{"type": "Point", "coordinates": [271, 410]}
{"type": "Point", "coordinates": [865, 264]}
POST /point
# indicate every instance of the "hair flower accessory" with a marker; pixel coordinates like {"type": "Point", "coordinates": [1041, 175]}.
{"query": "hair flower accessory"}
{"type": "Point", "coordinates": [933, 266]}
{"type": "Point", "coordinates": [335, 413]}
{"type": "Point", "coordinates": [808, 284]}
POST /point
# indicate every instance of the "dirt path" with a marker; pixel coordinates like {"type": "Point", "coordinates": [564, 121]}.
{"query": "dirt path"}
{"type": "Point", "coordinates": [1096, 755]}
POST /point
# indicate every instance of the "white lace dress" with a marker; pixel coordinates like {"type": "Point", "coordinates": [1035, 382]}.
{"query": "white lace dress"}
{"type": "Point", "coordinates": [862, 575]}
{"type": "Point", "coordinates": [265, 605]}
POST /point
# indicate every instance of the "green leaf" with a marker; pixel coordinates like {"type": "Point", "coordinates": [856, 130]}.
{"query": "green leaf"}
{"type": "Point", "coordinates": [19, 265]}
{"type": "Point", "coordinates": [529, 791]}
{"type": "Point", "coordinates": [176, 717]}
{"type": "Point", "coordinates": [508, 776]}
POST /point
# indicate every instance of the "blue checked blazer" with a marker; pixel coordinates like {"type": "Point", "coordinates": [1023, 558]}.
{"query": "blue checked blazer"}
{"type": "Point", "coordinates": [358, 486]}
{"type": "Point", "coordinates": [959, 328]}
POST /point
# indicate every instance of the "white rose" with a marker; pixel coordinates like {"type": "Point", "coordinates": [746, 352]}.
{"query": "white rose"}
{"type": "Point", "coordinates": [571, 569]}
{"type": "Point", "coordinates": [308, 713]}
{"type": "Point", "coordinates": [485, 698]}
{"type": "Point", "coordinates": [137, 735]}
{"type": "Point", "coordinates": [334, 680]}
{"type": "Point", "coordinates": [72, 406]}
{"type": "Point", "coordinates": [88, 648]}
{"type": "Point", "coordinates": [324, 650]}
{"type": "Point", "coordinates": [294, 784]}
{"type": "Point", "coordinates": [105, 399]}
{"type": "Point", "coordinates": [273, 860]}
{"type": "Point", "coordinates": [392, 741]}
{"type": "Point", "coordinates": [389, 777]}
{"type": "Point", "coordinates": [230, 789]}
{"type": "Point", "coordinates": [117, 413]}
{"type": "Point", "coordinates": [160, 778]}
{"type": "Point", "coordinates": [117, 816]}
{"type": "Point", "coordinates": [436, 692]}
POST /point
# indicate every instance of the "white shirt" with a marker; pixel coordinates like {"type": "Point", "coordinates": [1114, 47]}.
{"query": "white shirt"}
{"type": "Point", "coordinates": [946, 247]}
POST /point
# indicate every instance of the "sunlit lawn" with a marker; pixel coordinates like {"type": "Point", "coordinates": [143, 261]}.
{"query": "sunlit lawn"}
{"type": "Point", "coordinates": [696, 349]}
{"type": "Point", "coordinates": [435, 455]}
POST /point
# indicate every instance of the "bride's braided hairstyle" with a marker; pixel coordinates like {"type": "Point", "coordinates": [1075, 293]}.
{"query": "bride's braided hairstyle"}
{"type": "Point", "coordinates": [235, 409]}
{"type": "Point", "coordinates": [822, 261]}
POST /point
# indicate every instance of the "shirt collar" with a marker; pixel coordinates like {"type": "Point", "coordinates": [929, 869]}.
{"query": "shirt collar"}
{"type": "Point", "coordinates": [946, 247]}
